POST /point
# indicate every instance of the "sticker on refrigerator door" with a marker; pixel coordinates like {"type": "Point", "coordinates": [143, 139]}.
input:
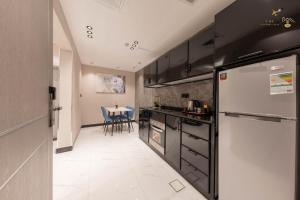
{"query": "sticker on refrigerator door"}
{"type": "Point", "coordinates": [281, 83]}
{"type": "Point", "coordinates": [223, 76]}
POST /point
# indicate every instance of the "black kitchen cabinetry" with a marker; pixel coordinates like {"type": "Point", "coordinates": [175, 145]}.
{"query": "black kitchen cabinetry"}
{"type": "Point", "coordinates": [162, 68]}
{"type": "Point", "coordinates": [144, 124]}
{"type": "Point", "coordinates": [201, 52]}
{"type": "Point", "coordinates": [178, 66]}
{"type": "Point", "coordinates": [243, 32]}
{"type": "Point", "coordinates": [196, 154]}
{"type": "Point", "coordinates": [173, 128]}
{"type": "Point", "coordinates": [188, 148]}
{"type": "Point", "coordinates": [150, 74]}
{"type": "Point", "coordinates": [191, 58]}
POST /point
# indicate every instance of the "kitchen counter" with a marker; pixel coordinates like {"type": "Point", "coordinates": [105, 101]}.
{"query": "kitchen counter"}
{"type": "Point", "coordinates": [204, 119]}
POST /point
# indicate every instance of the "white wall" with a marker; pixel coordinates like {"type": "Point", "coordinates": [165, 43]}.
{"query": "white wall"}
{"type": "Point", "coordinates": [64, 135]}
{"type": "Point", "coordinates": [91, 101]}
{"type": "Point", "coordinates": [75, 113]}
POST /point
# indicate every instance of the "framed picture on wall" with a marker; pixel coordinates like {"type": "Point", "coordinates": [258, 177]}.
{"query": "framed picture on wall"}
{"type": "Point", "coordinates": [109, 83]}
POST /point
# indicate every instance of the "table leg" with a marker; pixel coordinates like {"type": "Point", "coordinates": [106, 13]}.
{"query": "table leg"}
{"type": "Point", "coordinates": [113, 124]}
{"type": "Point", "coordinates": [128, 121]}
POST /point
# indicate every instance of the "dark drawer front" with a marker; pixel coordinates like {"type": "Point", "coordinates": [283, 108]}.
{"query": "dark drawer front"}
{"type": "Point", "coordinates": [196, 128]}
{"type": "Point", "coordinates": [198, 179]}
{"type": "Point", "coordinates": [195, 143]}
{"type": "Point", "coordinates": [195, 159]}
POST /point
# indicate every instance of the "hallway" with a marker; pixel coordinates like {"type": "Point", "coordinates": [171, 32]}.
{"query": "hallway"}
{"type": "Point", "coordinates": [121, 167]}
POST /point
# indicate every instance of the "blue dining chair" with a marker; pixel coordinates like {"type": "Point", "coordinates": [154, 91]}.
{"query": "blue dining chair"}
{"type": "Point", "coordinates": [108, 120]}
{"type": "Point", "coordinates": [130, 116]}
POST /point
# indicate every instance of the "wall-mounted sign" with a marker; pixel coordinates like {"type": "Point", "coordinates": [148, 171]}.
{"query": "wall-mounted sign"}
{"type": "Point", "coordinates": [281, 83]}
{"type": "Point", "coordinates": [278, 19]}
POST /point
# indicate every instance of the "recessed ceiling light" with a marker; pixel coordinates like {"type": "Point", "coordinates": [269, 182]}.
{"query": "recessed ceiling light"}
{"type": "Point", "coordinates": [89, 32]}
{"type": "Point", "coordinates": [89, 36]}
{"type": "Point", "coordinates": [89, 27]}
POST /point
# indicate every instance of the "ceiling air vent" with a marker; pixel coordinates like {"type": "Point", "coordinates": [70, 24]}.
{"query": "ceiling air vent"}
{"type": "Point", "coordinates": [113, 4]}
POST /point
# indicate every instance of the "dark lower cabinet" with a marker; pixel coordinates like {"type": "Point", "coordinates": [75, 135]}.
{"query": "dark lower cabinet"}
{"type": "Point", "coordinates": [144, 125]}
{"type": "Point", "coordinates": [173, 140]}
{"type": "Point", "coordinates": [196, 177]}
{"type": "Point", "coordinates": [188, 148]}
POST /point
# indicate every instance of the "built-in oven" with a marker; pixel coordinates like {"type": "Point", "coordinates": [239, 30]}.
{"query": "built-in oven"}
{"type": "Point", "coordinates": [157, 132]}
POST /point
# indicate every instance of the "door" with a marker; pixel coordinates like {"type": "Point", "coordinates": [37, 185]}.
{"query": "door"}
{"type": "Point", "coordinates": [257, 131]}
{"type": "Point", "coordinates": [256, 158]}
{"type": "Point", "coordinates": [201, 52]}
{"type": "Point", "coordinates": [162, 68]}
{"type": "Point", "coordinates": [25, 76]}
{"type": "Point", "coordinates": [178, 62]}
{"type": "Point", "coordinates": [150, 74]}
{"type": "Point", "coordinates": [144, 124]}
{"type": "Point", "coordinates": [249, 89]}
{"type": "Point", "coordinates": [173, 134]}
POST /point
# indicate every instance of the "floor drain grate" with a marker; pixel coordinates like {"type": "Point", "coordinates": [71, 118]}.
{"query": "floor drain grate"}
{"type": "Point", "coordinates": [176, 185]}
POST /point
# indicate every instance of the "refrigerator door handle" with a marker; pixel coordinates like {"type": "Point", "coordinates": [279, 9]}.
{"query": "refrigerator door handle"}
{"type": "Point", "coordinates": [256, 117]}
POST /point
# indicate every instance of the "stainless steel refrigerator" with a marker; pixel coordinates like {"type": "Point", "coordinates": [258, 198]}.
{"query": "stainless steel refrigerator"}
{"type": "Point", "coordinates": [257, 131]}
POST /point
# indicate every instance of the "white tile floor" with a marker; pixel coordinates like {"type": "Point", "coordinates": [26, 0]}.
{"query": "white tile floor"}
{"type": "Point", "coordinates": [121, 167]}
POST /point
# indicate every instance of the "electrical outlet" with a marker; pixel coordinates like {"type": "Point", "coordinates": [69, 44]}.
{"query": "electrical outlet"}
{"type": "Point", "coordinates": [185, 95]}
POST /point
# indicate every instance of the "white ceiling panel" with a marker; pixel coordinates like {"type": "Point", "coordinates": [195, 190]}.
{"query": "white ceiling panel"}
{"type": "Point", "coordinates": [157, 25]}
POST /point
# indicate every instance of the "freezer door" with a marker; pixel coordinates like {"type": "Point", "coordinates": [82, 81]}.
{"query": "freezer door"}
{"type": "Point", "coordinates": [249, 89]}
{"type": "Point", "coordinates": [256, 159]}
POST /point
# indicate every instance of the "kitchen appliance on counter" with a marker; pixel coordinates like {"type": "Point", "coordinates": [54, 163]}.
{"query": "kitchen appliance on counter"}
{"type": "Point", "coordinates": [193, 105]}
{"type": "Point", "coordinates": [157, 132]}
{"type": "Point", "coordinates": [258, 131]}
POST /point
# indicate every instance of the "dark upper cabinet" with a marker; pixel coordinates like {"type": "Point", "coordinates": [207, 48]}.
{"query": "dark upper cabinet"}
{"type": "Point", "coordinates": [162, 68]}
{"type": "Point", "coordinates": [150, 74]}
{"type": "Point", "coordinates": [178, 62]}
{"type": "Point", "coordinates": [248, 29]}
{"type": "Point", "coordinates": [173, 128]}
{"type": "Point", "coordinates": [201, 52]}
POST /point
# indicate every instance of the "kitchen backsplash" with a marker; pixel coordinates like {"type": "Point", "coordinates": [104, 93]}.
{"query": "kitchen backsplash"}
{"type": "Point", "coordinates": [172, 95]}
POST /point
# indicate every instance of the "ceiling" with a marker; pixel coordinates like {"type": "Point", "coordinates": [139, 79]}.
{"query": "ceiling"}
{"type": "Point", "coordinates": [157, 25]}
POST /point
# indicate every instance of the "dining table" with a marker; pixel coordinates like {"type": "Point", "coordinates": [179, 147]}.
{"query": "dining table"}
{"type": "Point", "coordinates": [112, 110]}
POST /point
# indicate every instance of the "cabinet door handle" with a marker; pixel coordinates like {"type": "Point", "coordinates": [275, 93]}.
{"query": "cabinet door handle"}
{"type": "Point", "coordinates": [256, 53]}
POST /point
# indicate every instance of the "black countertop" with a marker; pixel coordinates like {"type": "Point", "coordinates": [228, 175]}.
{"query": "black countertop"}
{"type": "Point", "coordinates": [204, 119]}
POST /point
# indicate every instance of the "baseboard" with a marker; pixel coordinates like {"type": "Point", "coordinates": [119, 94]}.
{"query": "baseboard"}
{"type": "Point", "coordinates": [91, 125]}
{"type": "Point", "coordinates": [64, 149]}
{"type": "Point", "coordinates": [94, 125]}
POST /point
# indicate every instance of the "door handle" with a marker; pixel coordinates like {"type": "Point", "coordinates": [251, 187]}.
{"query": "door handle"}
{"type": "Point", "coordinates": [57, 108]}
{"type": "Point", "coordinates": [254, 116]}
{"type": "Point", "coordinates": [157, 129]}
{"type": "Point", "coordinates": [256, 53]}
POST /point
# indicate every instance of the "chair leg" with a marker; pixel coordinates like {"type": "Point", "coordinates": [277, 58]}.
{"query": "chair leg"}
{"type": "Point", "coordinates": [104, 125]}
{"type": "Point", "coordinates": [132, 126]}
